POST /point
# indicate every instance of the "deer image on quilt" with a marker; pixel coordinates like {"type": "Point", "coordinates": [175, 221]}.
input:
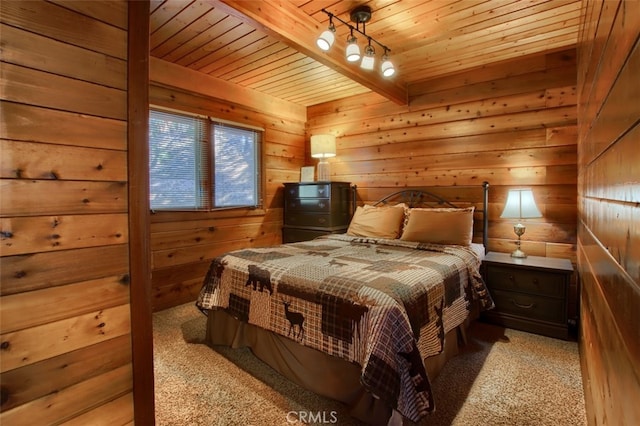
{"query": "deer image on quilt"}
{"type": "Point", "coordinates": [294, 318]}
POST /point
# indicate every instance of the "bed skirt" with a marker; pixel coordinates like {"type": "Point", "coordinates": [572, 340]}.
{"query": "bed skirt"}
{"type": "Point", "coordinates": [308, 367]}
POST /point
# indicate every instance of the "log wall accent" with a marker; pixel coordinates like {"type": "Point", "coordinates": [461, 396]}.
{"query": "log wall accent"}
{"type": "Point", "coordinates": [184, 243]}
{"type": "Point", "coordinates": [64, 299]}
{"type": "Point", "coordinates": [609, 209]}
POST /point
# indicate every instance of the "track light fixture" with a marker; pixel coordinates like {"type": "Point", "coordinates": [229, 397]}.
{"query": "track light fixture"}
{"type": "Point", "coordinates": [359, 15]}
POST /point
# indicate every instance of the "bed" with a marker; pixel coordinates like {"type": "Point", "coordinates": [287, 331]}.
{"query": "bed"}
{"type": "Point", "coordinates": [381, 307]}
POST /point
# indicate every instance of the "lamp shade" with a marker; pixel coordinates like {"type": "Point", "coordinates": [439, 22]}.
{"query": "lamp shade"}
{"type": "Point", "coordinates": [369, 59]}
{"type": "Point", "coordinates": [326, 39]}
{"type": "Point", "coordinates": [387, 67]}
{"type": "Point", "coordinates": [353, 50]}
{"type": "Point", "coordinates": [520, 205]}
{"type": "Point", "coordinates": [323, 146]}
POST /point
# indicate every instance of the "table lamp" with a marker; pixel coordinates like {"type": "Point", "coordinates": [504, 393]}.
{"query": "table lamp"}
{"type": "Point", "coordinates": [520, 205]}
{"type": "Point", "coordinates": [323, 147]}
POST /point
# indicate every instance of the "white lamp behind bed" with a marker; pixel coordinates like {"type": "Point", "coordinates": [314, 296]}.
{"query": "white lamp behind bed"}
{"type": "Point", "coordinates": [323, 147]}
{"type": "Point", "coordinates": [520, 205]}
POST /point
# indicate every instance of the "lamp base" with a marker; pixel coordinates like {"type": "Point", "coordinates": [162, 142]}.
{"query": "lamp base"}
{"type": "Point", "coordinates": [323, 171]}
{"type": "Point", "coordinates": [519, 254]}
{"type": "Point", "coordinates": [519, 230]}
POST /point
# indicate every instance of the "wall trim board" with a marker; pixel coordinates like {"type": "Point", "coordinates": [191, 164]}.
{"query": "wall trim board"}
{"type": "Point", "coordinates": [139, 221]}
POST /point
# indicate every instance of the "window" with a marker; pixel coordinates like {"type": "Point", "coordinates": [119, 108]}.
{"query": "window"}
{"type": "Point", "coordinates": [199, 164]}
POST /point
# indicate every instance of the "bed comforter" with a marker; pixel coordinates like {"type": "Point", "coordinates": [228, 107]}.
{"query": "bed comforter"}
{"type": "Point", "coordinates": [383, 304]}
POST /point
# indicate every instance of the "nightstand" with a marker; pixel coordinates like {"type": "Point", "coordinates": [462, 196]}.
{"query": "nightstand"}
{"type": "Point", "coordinates": [530, 294]}
{"type": "Point", "coordinates": [312, 209]}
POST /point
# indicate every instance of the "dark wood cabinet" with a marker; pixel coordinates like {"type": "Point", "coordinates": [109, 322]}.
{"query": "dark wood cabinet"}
{"type": "Point", "coordinates": [530, 294]}
{"type": "Point", "coordinates": [312, 209]}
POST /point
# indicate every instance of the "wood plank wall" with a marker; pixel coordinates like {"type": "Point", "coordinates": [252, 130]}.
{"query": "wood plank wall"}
{"type": "Point", "coordinates": [64, 299]}
{"type": "Point", "coordinates": [184, 243]}
{"type": "Point", "coordinates": [609, 209]}
{"type": "Point", "coordinates": [512, 124]}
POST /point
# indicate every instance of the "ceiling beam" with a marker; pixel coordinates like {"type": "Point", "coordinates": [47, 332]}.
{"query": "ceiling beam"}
{"type": "Point", "coordinates": [290, 25]}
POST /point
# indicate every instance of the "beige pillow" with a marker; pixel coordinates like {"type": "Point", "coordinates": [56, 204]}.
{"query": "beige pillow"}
{"type": "Point", "coordinates": [440, 226]}
{"type": "Point", "coordinates": [380, 222]}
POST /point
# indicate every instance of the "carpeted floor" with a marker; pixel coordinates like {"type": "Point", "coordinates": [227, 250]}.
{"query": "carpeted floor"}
{"type": "Point", "coordinates": [503, 377]}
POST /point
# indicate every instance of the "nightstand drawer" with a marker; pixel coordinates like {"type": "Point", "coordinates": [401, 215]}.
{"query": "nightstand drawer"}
{"type": "Point", "coordinates": [530, 306]}
{"type": "Point", "coordinates": [529, 281]}
{"type": "Point", "coordinates": [308, 191]}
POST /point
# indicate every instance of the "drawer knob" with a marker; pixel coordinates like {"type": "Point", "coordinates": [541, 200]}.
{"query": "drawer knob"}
{"type": "Point", "coordinates": [321, 205]}
{"type": "Point", "coordinates": [536, 282]}
{"type": "Point", "coordinates": [322, 220]}
{"type": "Point", "coordinates": [520, 305]}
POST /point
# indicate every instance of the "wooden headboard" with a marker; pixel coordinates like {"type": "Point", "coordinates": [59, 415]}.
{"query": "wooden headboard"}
{"type": "Point", "coordinates": [416, 197]}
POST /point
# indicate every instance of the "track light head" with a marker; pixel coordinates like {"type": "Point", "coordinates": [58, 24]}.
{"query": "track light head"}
{"type": "Point", "coordinates": [369, 58]}
{"type": "Point", "coordinates": [387, 67]}
{"type": "Point", "coordinates": [327, 38]}
{"type": "Point", "coordinates": [353, 50]}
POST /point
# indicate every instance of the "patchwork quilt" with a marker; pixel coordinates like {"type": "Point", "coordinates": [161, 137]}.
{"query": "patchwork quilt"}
{"type": "Point", "coordinates": [383, 304]}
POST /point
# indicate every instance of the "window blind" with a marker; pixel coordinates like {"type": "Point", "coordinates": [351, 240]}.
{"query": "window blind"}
{"type": "Point", "coordinates": [178, 161]}
{"type": "Point", "coordinates": [237, 161]}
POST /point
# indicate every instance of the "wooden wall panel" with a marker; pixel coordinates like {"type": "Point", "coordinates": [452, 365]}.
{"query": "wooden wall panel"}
{"type": "Point", "coordinates": [33, 197]}
{"type": "Point", "coordinates": [34, 271]}
{"type": "Point", "coordinates": [42, 233]}
{"type": "Point", "coordinates": [512, 124]}
{"type": "Point", "coordinates": [64, 299]}
{"type": "Point", "coordinates": [33, 123]}
{"type": "Point", "coordinates": [75, 62]}
{"type": "Point", "coordinates": [47, 161]}
{"type": "Point", "coordinates": [183, 243]}
{"type": "Point", "coordinates": [58, 92]}
{"type": "Point", "coordinates": [24, 347]}
{"type": "Point", "coordinates": [42, 378]}
{"type": "Point", "coordinates": [118, 412]}
{"type": "Point", "coordinates": [68, 403]}
{"type": "Point", "coordinates": [609, 209]}
{"type": "Point", "coordinates": [61, 23]}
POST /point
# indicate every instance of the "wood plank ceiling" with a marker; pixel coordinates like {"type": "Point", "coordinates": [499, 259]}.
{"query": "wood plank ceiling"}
{"type": "Point", "coordinates": [269, 45]}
